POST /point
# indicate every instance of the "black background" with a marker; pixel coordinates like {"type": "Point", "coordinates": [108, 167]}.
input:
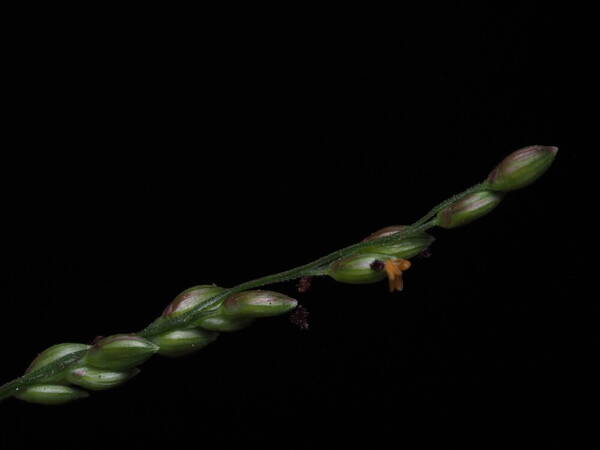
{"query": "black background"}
{"type": "Point", "coordinates": [159, 151]}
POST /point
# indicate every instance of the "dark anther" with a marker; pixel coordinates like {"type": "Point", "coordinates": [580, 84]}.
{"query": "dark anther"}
{"type": "Point", "coordinates": [377, 265]}
{"type": "Point", "coordinates": [300, 317]}
{"type": "Point", "coordinates": [304, 284]}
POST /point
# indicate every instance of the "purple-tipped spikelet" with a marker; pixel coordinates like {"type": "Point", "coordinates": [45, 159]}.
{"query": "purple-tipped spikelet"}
{"type": "Point", "coordinates": [250, 304]}
{"type": "Point", "coordinates": [468, 209]}
{"type": "Point", "coordinates": [521, 168]}
{"type": "Point", "coordinates": [120, 352]}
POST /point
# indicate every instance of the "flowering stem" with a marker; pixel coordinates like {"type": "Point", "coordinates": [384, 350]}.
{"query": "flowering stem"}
{"type": "Point", "coordinates": [315, 268]}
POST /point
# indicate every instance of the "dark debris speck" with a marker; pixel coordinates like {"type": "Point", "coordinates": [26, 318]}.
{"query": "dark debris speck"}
{"type": "Point", "coordinates": [300, 317]}
{"type": "Point", "coordinates": [304, 284]}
